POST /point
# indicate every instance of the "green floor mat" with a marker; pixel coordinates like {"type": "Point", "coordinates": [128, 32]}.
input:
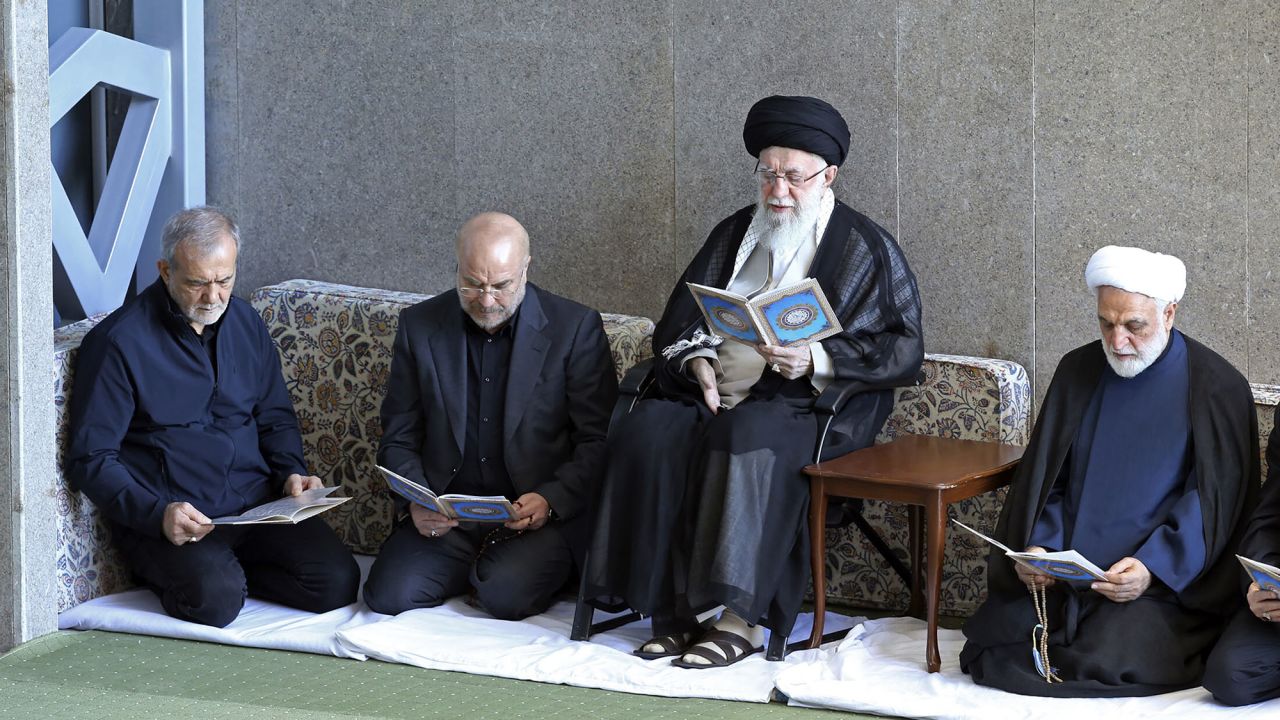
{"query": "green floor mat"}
{"type": "Point", "coordinates": [107, 675]}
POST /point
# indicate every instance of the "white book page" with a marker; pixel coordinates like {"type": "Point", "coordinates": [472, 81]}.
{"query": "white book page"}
{"type": "Point", "coordinates": [286, 509]}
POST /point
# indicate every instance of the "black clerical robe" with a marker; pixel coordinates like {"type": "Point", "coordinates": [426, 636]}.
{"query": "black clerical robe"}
{"type": "Point", "coordinates": [699, 510]}
{"type": "Point", "coordinates": [866, 278]}
{"type": "Point", "coordinates": [1158, 642]}
{"type": "Point", "coordinates": [1244, 667]}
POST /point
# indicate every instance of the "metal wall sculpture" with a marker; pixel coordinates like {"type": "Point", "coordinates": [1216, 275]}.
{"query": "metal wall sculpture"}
{"type": "Point", "coordinates": [158, 164]}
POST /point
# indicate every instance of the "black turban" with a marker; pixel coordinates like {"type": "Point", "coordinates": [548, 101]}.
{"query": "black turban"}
{"type": "Point", "coordinates": [800, 123]}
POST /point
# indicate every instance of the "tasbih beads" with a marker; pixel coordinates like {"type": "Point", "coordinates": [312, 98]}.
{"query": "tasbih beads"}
{"type": "Point", "coordinates": [1040, 635]}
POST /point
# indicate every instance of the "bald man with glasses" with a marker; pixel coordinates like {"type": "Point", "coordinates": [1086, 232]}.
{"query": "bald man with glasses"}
{"type": "Point", "coordinates": [499, 388]}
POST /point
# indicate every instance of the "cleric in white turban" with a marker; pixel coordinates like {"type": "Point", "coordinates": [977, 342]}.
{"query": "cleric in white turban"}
{"type": "Point", "coordinates": [1156, 275]}
{"type": "Point", "coordinates": [1144, 460]}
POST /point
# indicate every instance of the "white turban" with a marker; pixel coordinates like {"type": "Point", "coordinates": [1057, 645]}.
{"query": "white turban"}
{"type": "Point", "coordinates": [1135, 270]}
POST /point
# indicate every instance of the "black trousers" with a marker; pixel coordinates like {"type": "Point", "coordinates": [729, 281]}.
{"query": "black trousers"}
{"type": "Point", "coordinates": [1244, 667]}
{"type": "Point", "coordinates": [304, 566]}
{"type": "Point", "coordinates": [513, 576]}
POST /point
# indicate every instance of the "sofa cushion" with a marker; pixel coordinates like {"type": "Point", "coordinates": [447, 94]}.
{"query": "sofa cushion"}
{"type": "Point", "coordinates": [86, 562]}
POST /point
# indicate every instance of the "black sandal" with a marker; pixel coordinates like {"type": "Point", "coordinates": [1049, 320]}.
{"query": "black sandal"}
{"type": "Point", "coordinates": [673, 644]}
{"type": "Point", "coordinates": [734, 646]}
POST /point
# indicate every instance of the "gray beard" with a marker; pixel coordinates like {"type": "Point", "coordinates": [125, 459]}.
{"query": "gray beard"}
{"type": "Point", "coordinates": [496, 316]}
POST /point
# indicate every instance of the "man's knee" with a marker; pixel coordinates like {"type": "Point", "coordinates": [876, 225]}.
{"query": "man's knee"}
{"type": "Point", "coordinates": [649, 421]}
{"type": "Point", "coordinates": [1219, 683]}
{"type": "Point", "coordinates": [213, 600]}
{"type": "Point", "coordinates": [512, 603]}
{"type": "Point", "coordinates": [334, 585]}
{"type": "Point", "coordinates": [391, 594]}
{"type": "Point", "coordinates": [1226, 678]}
{"type": "Point", "coordinates": [516, 587]}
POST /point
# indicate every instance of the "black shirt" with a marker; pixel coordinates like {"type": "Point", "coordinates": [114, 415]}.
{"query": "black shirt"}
{"type": "Point", "coordinates": [208, 337]}
{"type": "Point", "coordinates": [483, 471]}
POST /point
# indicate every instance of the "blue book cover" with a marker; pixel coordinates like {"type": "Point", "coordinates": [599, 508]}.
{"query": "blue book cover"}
{"type": "Point", "coordinates": [1267, 576]}
{"type": "Point", "coordinates": [1069, 566]}
{"type": "Point", "coordinates": [466, 508]}
{"type": "Point", "coordinates": [795, 315]}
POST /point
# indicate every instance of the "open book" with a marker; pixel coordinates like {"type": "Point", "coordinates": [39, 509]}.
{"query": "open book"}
{"type": "Point", "coordinates": [795, 315]}
{"type": "Point", "coordinates": [467, 508]}
{"type": "Point", "coordinates": [1267, 576]}
{"type": "Point", "coordinates": [287, 510]}
{"type": "Point", "coordinates": [1064, 565]}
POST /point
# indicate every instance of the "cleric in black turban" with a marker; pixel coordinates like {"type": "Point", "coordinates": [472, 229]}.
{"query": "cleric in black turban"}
{"type": "Point", "coordinates": [703, 503]}
{"type": "Point", "coordinates": [803, 123]}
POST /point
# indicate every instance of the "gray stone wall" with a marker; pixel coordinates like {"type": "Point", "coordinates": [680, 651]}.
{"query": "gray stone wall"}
{"type": "Point", "coordinates": [1001, 141]}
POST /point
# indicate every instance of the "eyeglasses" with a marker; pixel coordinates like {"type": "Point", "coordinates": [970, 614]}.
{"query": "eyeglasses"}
{"type": "Point", "coordinates": [792, 178]}
{"type": "Point", "coordinates": [495, 293]}
{"type": "Point", "coordinates": [506, 291]}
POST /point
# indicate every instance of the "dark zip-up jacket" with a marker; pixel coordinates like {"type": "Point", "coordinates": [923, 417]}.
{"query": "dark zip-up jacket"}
{"type": "Point", "coordinates": [151, 424]}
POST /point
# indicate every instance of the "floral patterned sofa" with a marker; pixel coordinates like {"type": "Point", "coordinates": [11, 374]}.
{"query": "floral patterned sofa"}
{"type": "Point", "coordinates": [335, 349]}
{"type": "Point", "coordinates": [335, 341]}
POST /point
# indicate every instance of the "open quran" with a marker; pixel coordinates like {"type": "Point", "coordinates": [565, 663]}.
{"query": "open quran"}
{"type": "Point", "coordinates": [798, 314]}
{"type": "Point", "coordinates": [287, 510]}
{"type": "Point", "coordinates": [465, 508]}
{"type": "Point", "coordinates": [1066, 565]}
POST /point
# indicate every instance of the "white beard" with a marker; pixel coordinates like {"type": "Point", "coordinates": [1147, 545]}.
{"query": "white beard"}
{"type": "Point", "coordinates": [1127, 366]}
{"type": "Point", "coordinates": [788, 230]}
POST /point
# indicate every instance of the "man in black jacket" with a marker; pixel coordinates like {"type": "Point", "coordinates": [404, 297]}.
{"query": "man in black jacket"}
{"type": "Point", "coordinates": [179, 414]}
{"type": "Point", "coordinates": [499, 388]}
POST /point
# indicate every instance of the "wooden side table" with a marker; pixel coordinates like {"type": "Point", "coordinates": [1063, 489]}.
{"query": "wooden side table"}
{"type": "Point", "coordinates": [928, 473]}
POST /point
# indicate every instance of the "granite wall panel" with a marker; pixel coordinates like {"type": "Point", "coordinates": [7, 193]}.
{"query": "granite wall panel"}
{"type": "Point", "coordinates": [346, 161]}
{"type": "Point", "coordinates": [221, 107]}
{"type": "Point", "coordinates": [965, 169]}
{"type": "Point", "coordinates": [564, 117]}
{"type": "Point", "coordinates": [1001, 142]}
{"type": "Point", "coordinates": [730, 54]}
{"type": "Point", "coordinates": [1263, 72]}
{"type": "Point", "coordinates": [1140, 140]}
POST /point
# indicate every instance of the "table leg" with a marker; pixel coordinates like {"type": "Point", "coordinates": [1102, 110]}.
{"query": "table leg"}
{"type": "Point", "coordinates": [915, 539]}
{"type": "Point", "coordinates": [936, 512]}
{"type": "Point", "coordinates": [818, 555]}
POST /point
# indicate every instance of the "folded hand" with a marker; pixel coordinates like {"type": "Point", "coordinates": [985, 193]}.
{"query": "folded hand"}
{"type": "Point", "coordinates": [1128, 579]}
